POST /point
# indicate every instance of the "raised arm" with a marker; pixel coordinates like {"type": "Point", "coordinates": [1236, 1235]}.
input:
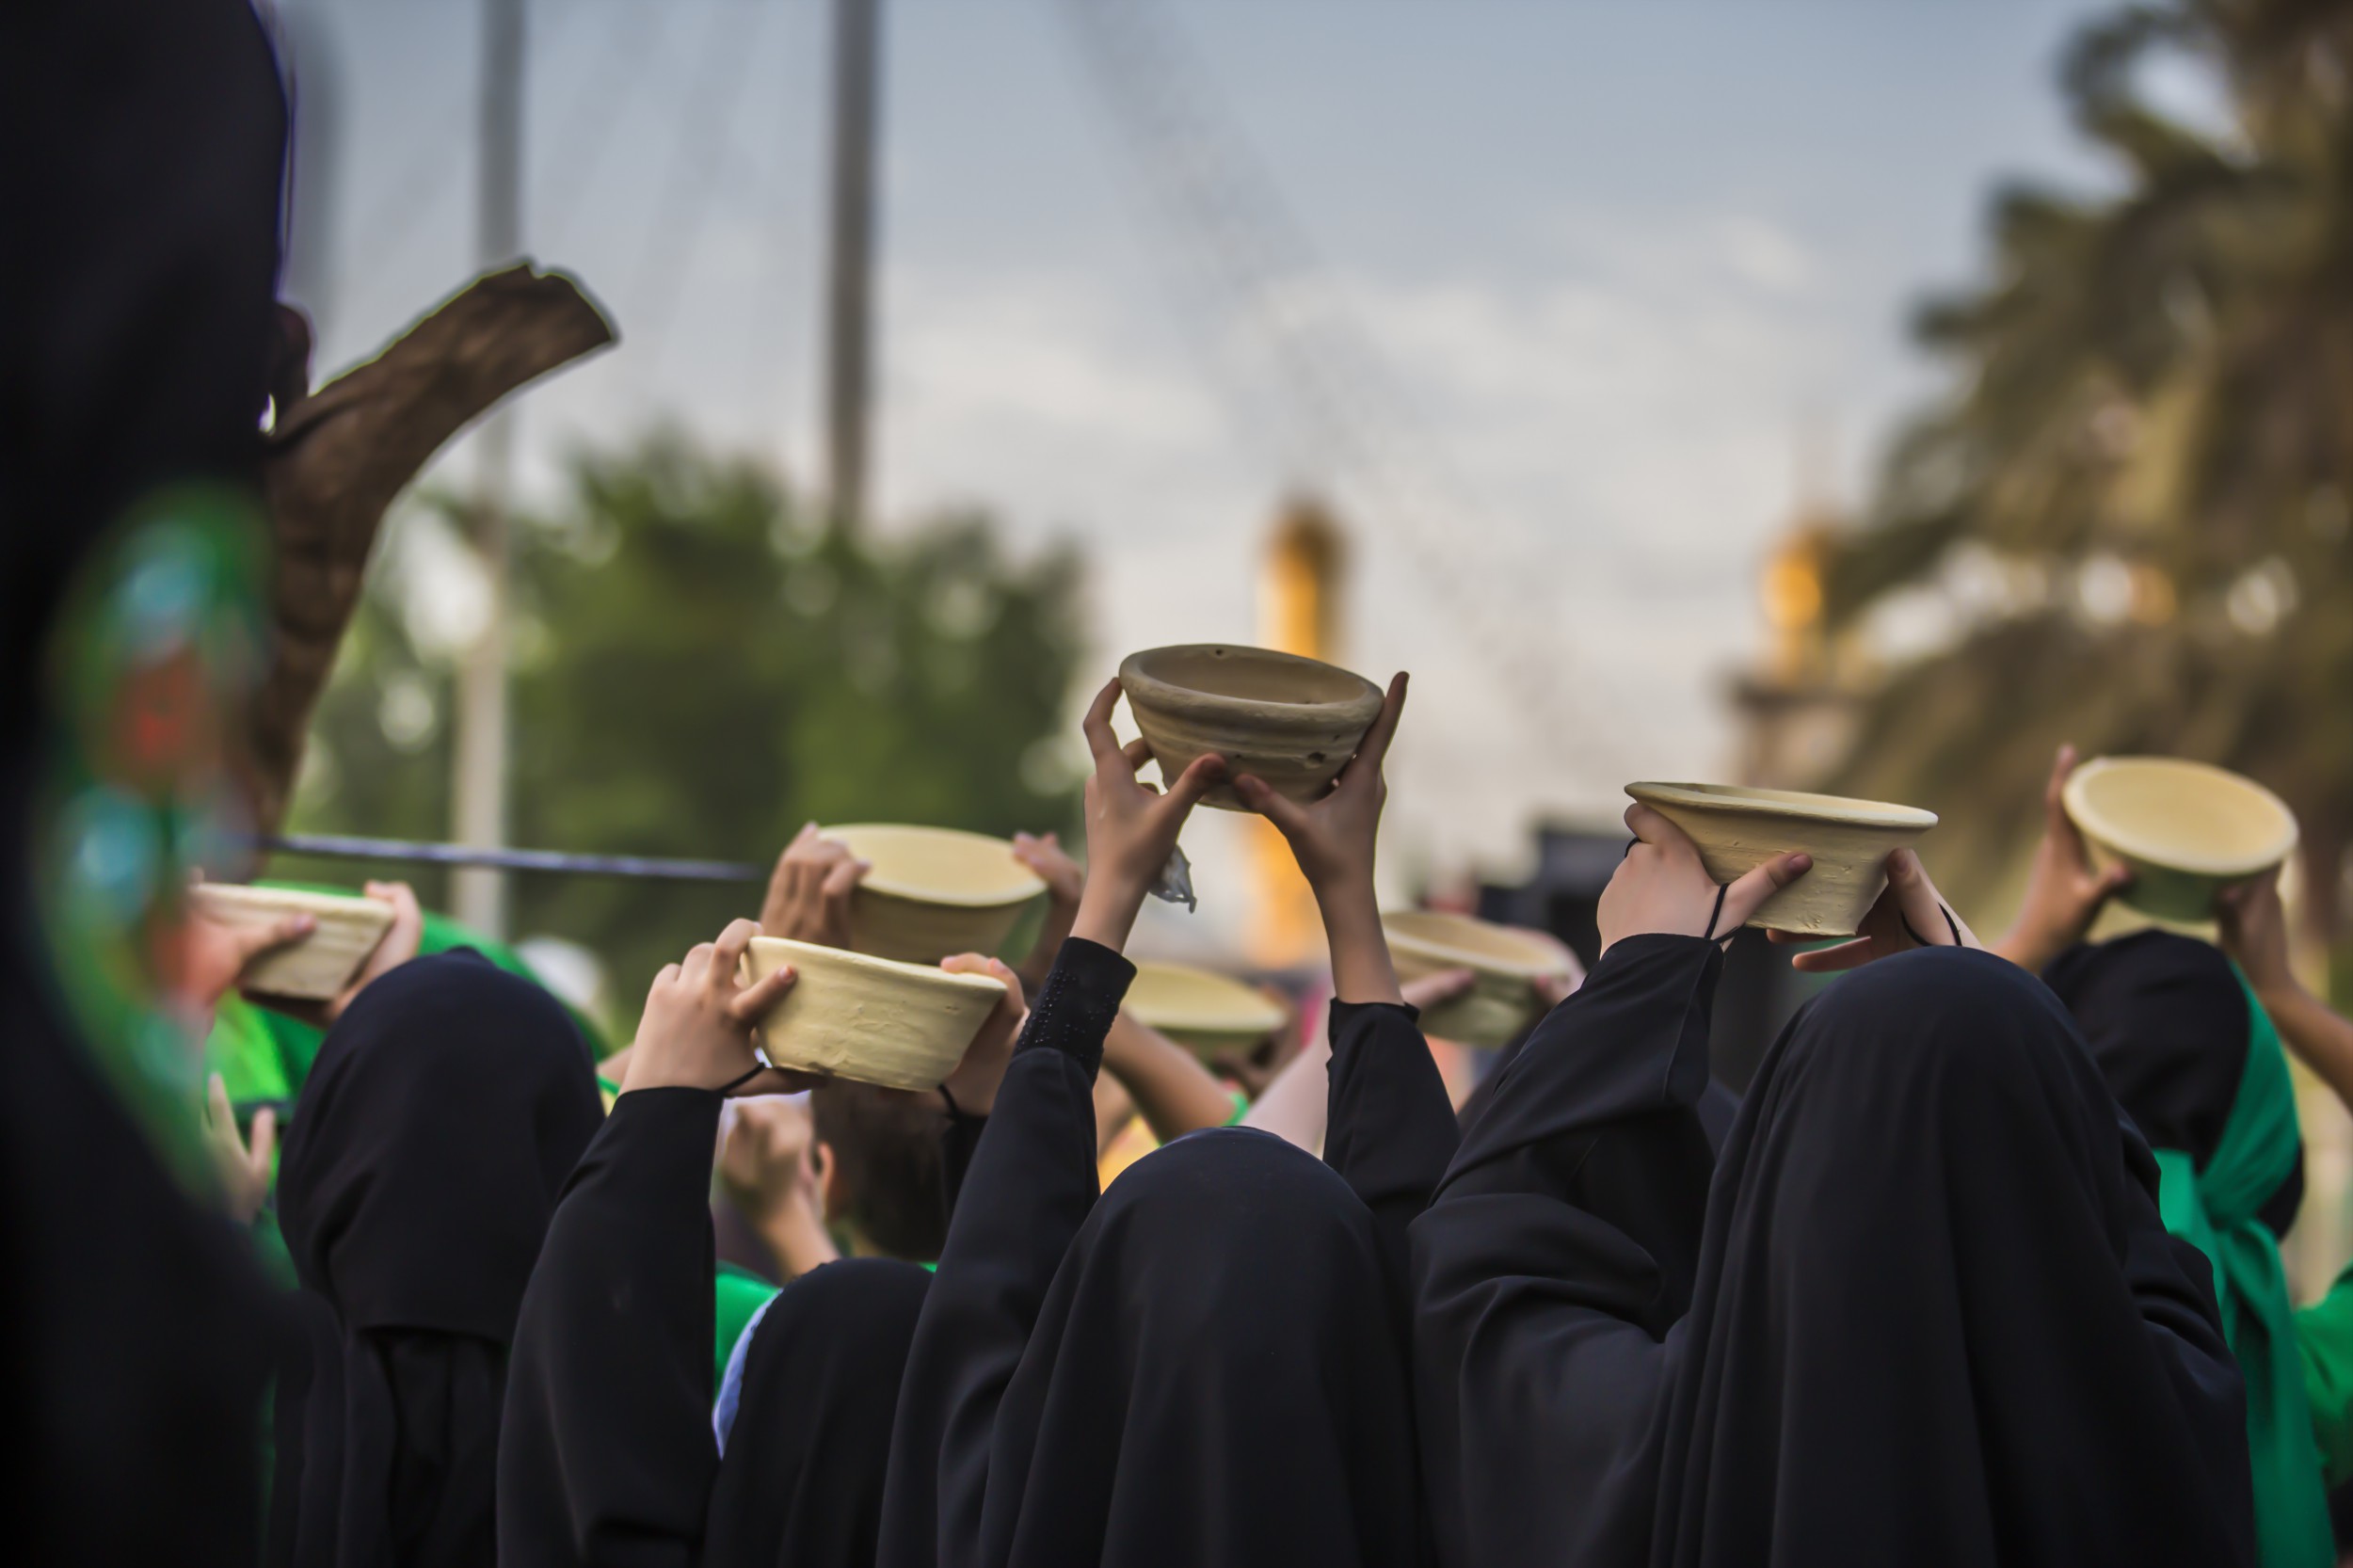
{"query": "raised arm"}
{"type": "Point", "coordinates": [1032, 1180]}
{"type": "Point", "coordinates": [1389, 1128]}
{"type": "Point", "coordinates": [606, 1454]}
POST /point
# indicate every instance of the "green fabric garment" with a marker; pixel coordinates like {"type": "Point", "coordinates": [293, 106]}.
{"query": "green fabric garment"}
{"type": "Point", "coordinates": [2324, 1339]}
{"type": "Point", "coordinates": [739, 1293]}
{"type": "Point", "coordinates": [2214, 1209]}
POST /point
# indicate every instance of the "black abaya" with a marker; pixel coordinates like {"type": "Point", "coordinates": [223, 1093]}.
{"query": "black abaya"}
{"type": "Point", "coordinates": [607, 1456]}
{"type": "Point", "coordinates": [1186, 1371]}
{"type": "Point", "coordinates": [434, 1132]}
{"type": "Point", "coordinates": [1930, 1314]}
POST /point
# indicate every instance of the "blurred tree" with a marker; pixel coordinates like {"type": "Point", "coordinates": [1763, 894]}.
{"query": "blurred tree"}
{"type": "Point", "coordinates": [2134, 503]}
{"type": "Point", "coordinates": [701, 667]}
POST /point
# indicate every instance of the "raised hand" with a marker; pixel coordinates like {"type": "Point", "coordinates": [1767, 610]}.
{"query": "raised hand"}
{"type": "Point", "coordinates": [1044, 854]}
{"type": "Point", "coordinates": [769, 1167]}
{"type": "Point", "coordinates": [1663, 887]}
{"type": "Point", "coordinates": [1333, 839]}
{"type": "Point", "coordinates": [2255, 934]}
{"type": "Point", "coordinates": [398, 945]}
{"type": "Point", "coordinates": [697, 1030]}
{"type": "Point", "coordinates": [1131, 827]}
{"type": "Point", "coordinates": [808, 892]}
{"type": "Point", "coordinates": [1424, 992]}
{"type": "Point", "coordinates": [1910, 913]}
{"type": "Point", "coordinates": [972, 1087]}
{"type": "Point", "coordinates": [2065, 893]}
{"type": "Point", "coordinates": [244, 1167]}
{"type": "Point", "coordinates": [212, 953]}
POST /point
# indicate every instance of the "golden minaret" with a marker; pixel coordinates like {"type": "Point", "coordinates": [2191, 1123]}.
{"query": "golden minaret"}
{"type": "Point", "coordinates": [1298, 612]}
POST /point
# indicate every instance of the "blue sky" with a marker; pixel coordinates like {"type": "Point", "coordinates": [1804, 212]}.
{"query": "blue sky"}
{"type": "Point", "coordinates": [1612, 255]}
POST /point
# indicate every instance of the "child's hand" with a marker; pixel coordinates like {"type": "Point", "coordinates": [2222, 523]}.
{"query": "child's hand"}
{"type": "Point", "coordinates": [1332, 837]}
{"type": "Point", "coordinates": [1910, 913]}
{"type": "Point", "coordinates": [972, 1086]}
{"type": "Point", "coordinates": [699, 1020]}
{"type": "Point", "coordinates": [244, 1169]}
{"type": "Point", "coordinates": [2064, 892]}
{"type": "Point", "coordinates": [1661, 887]}
{"type": "Point", "coordinates": [2255, 934]}
{"type": "Point", "coordinates": [1424, 992]}
{"type": "Point", "coordinates": [808, 892]}
{"type": "Point", "coordinates": [1063, 883]}
{"type": "Point", "coordinates": [212, 953]}
{"type": "Point", "coordinates": [1131, 827]}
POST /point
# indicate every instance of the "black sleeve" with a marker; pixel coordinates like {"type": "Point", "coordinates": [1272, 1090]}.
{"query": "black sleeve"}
{"type": "Point", "coordinates": [1390, 1128]}
{"type": "Point", "coordinates": [606, 1458]}
{"type": "Point", "coordinates": [1543, 1314]}
{"type": "Point", "coordinates": [1029, 1187]}
{"type": "Point", "coordinates": [957, 1142]}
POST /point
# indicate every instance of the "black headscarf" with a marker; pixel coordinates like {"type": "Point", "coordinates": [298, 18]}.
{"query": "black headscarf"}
{"type": "Point", "coordinates": [1202, 1365]}
{"type": "Point", "coordinates": [434, 1133]}
{"type": "Point", "coordinates": [2167, 1021]}
{"type": "Point", "coordinates": [1212, 1378]}
{"type": "Point", "coordinates": [802, 1482]}
{"type": "Point", "coordinates": [135, 297]}
{"type": "Point", "coordinates": [1933, 1317]}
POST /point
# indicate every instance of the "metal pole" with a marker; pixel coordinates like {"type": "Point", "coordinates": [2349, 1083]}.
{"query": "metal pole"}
{"type": "Point", "coordinates": [478, 786]}
{"type": "Point", "coordinates": [850, 255]}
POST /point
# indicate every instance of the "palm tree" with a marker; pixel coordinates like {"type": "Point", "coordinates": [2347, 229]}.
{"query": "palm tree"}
{"type": "Point", "coordinates": [2134, 503]}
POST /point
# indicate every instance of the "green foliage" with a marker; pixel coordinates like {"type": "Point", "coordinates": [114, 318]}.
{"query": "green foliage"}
{"type": "Point", "coordinates": [2149, 446]}
{"type": "Point", "coordinates": [700, 667]}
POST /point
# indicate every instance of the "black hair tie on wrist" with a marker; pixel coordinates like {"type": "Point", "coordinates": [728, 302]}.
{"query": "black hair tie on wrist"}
{"type": "Point", "coordinates": [1950, 924]}
{"type": "Point", "coordinates": [955, 1111]}
{"type": "Point", "coordinates": [1714, 915]}
{"type": "Point", "coordinates": [733, 1084]}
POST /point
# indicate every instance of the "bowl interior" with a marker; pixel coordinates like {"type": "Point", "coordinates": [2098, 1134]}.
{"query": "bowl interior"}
{"type": "Point", "coordinates": [1461, 942]}
{"type": "Point", "coordinates": [939, 865]}
{"type": "Point", "coordinates": [2185, 815]}
{"type": "Point", "coordinates": [1794, 804]}
{"type": "Point", "coordinates": [1177, 996]}
{"type": "Point", "coordinates": [1252, 674]}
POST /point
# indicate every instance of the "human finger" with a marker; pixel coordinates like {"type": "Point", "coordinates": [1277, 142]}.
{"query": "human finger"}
{"type": "Point", "coordinates": [263, 1141]}
{"type": "Point", "coordinates": [727, 953]}
{"type": "Point", "coordinates": [756, 1000]}
{"type": "Point", "coordinates": [1097, 726]}
{"type": "Point", "coordinates": [1748, 892]}
{"type": "Point", "coordinates": [1200, 777]}
{"type": "Point", "coordinates": [1846, 955]}
{"type": "Point", "coordinates": [1286, 814]}
{"type": "Point", "coordinates": [1375, 745]}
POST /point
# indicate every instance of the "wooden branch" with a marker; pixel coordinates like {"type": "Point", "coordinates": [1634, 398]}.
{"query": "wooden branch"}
{"type": "Point", "coordinates": [339, 457]}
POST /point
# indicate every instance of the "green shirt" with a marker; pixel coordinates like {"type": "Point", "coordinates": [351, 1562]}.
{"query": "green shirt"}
{"type": "Point", "coordinates": [738, 1294]}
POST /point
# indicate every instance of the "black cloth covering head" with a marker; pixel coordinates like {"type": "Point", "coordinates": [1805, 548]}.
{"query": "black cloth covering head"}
{"type": "Point", "coordinates": [2167, 1021]}
{"type": "Point", "coordinates": [1213, 1378]}
{"type": "Point", "coordinates": [142, 195]}
{"type": "Point", "coordinates": [431, 1141]}
{"type": "Point", "coordinates": [802, 1484]}
{"type": "Point", "coordinates": [1933, 1317]}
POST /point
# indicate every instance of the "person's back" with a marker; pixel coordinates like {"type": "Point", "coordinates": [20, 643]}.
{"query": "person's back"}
{"type": "Point", "coordinates": [446, 1108]}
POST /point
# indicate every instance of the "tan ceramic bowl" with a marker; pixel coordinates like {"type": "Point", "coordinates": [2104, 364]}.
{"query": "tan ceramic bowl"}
{"type": "Point", "coordinates": [2186, 829]}
{"type": "Point", "coordinates": [1208, 1013]}
{"type": "Point", "coordinates": [933, 891]}
{"type": "Point", "coordinates": [903, 1026]}
{"type": "Point", "coordinates": [317, 968]}
{"type": "Point", "coordinates": [1738, 828]}
{"type": "Point", "coordinates": [1505, 965]}
{"type": "Point", "coordinates": [1292, 722]}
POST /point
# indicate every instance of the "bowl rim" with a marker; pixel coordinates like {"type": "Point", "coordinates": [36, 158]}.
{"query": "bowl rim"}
{"type": "Point", "coordinates": [343, 907]}
{"type": "Point", "coordinates": [806, 955]}
{"type": "Point", "coordinates": [1235, 1019]}
{"type": "Point", "coordinates": [2074, 797]}
{"type": "Point", "coordinates": [1165, 694]}
{"type": "Point", "coordinates": [1794, 805]}
{"type": "Point", "coordinates": [1033, 883]}
{"type": "Point", "coordinates": [1463, 958]}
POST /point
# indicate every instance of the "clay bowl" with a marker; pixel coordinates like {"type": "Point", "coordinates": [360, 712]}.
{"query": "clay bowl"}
{"type": "Point", "coordinates": [1505, 965]}
{"type": "Point", "coordinates": [1292, 722]}
{"type": "Point", "coordinates": [1738, 828]}
{"type": "Point", "coordinates": [317, 968]}
{"type": "Point", "coordinates": [1208, 1014]}
{"type": "Point", "coordinates": [903, 1026]}
{"type": "Point", "coordinates": [933, 891]}
{"type": "Point", "coordinates": [2186, 829]}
